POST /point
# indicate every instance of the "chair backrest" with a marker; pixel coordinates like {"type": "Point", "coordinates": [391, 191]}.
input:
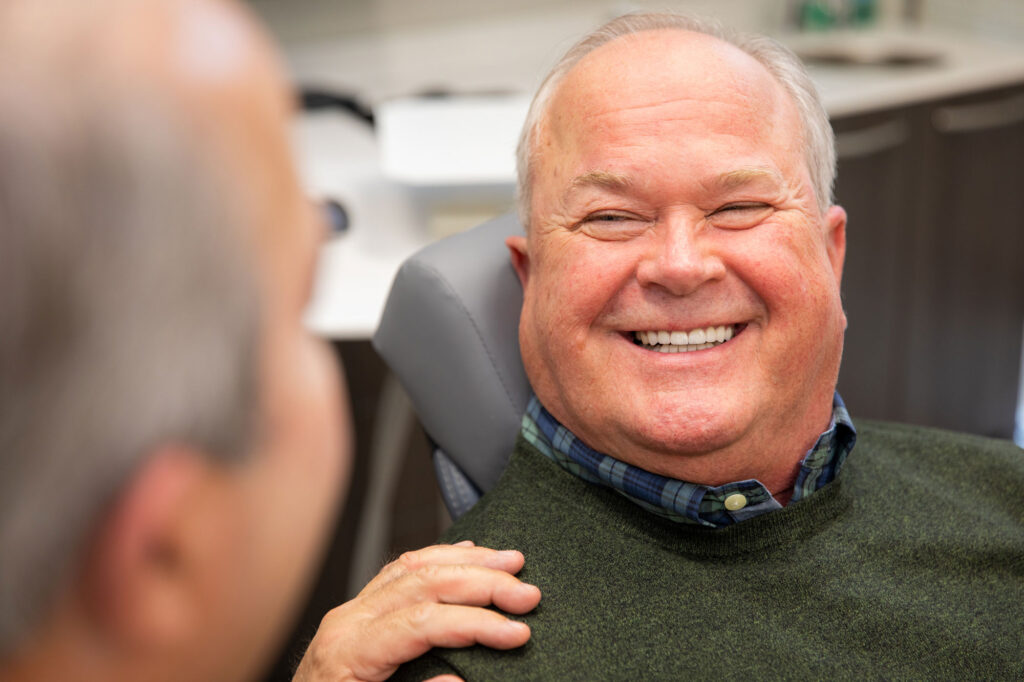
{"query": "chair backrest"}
{"type": "Point", "coordinates": [450, 333]}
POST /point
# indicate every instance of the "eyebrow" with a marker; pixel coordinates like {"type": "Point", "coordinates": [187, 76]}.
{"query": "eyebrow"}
{"type": "Point", "coordinates": [745, 176]}
{"type": "Point", "coordinates": [602, 179]}
{"type": "Point", "coordinates": [724, 182]}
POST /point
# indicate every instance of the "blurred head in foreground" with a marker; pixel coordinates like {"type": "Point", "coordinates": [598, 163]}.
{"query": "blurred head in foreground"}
{"type": "Point", "coordinates": [172, 441]}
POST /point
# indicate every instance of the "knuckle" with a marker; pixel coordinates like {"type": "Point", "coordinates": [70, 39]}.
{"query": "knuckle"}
{"type": "Point", "coordinates": [420, 614]}
{"type": "Point", "coordinates": [409, 561]}
{"type": "Point", "coordinates": [425, 581]}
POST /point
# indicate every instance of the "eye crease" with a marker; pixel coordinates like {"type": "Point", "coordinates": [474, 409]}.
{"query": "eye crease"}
{"type": "Point", "coordinates": [607, 217]}
{"type": "Point", "coordinates": [741, 207]}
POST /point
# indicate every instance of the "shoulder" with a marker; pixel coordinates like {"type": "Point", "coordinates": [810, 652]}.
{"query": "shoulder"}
{"type": "Point", "coordinates": [901, 458]}
{"type": "Point", "coordinates": [929, 442]}
{"type": "Point", "coordinates": [514, 510]}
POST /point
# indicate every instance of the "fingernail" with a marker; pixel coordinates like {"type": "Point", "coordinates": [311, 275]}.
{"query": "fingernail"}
{"type": "Point", "coordinates": [517, 627]}
{"type": "Point", "coordinates": [509, 554]}
{"type": "Point", "coordinates": [465, 543]}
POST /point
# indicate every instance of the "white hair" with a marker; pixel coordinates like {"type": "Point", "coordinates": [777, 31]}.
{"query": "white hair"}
{"type": "Point", "coordinates": [786, 67]}
{"type": "Point", "coordinates": [129, 313]}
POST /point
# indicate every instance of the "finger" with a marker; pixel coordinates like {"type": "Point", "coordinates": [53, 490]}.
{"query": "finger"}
{"type": "Point", "coordinates": [455, 626]}
{"type": "Point", "coordinates": [446, 678]}
{"type": "Point", "coordinates": [510, 561]}
{"type": "Point", "coordinates": [464, 543]}
{"type": "Point", "coordinates": [414, 631]}
{"type": "Point", "coordinates": [463, 584]}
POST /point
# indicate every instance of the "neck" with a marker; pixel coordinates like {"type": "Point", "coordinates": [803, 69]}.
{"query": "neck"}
{"type": "Point", "coordinates": [770, 453]}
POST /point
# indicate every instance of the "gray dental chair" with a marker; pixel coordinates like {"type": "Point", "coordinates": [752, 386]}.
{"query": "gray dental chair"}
{"type": "Point", "coordinates": [450, 335]}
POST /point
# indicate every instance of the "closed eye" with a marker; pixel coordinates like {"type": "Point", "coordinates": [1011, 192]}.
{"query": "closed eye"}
{"type": "Point", "coordinates": [740, 216]}
{"type": "Point", "coordinates": [741, 207]}
{"type": "Point", "coordinates": [605, 217]}
{"type": "Point", "coordinates": [612, 225]}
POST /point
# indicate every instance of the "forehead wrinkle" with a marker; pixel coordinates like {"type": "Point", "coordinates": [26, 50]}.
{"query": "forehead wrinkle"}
{"type": "Point", "coordinates": [674, 109]}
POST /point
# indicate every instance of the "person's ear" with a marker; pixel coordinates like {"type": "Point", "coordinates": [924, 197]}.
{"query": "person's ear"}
{"type": "Point", "coordinates": [835, 239]}
{"type": "Point", "coordinates": [835, 244]}
{"type": "Point", "coordinates": [146, 573]}
{"type": "Point", "coordinates": [520, 257]}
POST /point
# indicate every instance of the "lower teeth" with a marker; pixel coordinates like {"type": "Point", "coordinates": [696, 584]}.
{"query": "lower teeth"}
{"type": "Point", "coordinates": [683, 349]}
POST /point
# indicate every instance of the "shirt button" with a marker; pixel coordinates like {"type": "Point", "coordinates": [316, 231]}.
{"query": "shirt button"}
{"type": "Point", "coordinates": [735, 502]}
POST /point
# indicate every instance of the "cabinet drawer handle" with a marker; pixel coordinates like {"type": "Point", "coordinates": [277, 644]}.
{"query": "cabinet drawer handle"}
{"type": "Point", "coordinates": [871, 140]}
{"type": "Point", "coordinates": [967, 118]}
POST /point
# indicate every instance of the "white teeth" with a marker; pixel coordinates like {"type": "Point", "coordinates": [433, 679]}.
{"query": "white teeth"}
{"type": "Point", "coordinates": [682, 342]}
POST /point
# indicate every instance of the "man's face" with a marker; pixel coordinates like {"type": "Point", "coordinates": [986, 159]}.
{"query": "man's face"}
{"type": "Point", "coordinates": [670, 195]}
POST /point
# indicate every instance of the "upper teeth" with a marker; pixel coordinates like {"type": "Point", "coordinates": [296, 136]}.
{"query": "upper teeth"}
{"type": "Point", "coordinates": [695, 339]}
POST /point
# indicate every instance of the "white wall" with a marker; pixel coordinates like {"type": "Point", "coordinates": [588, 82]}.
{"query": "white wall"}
{"type": "Point", "coordinates": [996, 19]}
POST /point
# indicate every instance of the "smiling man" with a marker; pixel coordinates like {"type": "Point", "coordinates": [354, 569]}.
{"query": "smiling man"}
{"type": "Point", "coordinates": [659, 216]}
{"type": "Point", "coordinates": [686, 487]}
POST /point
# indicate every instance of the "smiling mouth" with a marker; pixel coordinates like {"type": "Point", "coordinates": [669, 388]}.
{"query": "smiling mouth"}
{"type": "Point", "coordinates": [684, 342]}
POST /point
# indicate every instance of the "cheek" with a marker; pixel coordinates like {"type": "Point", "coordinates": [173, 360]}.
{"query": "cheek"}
{"type": "Point", "coordinates": [798, 287]}
{"type": "Point", "coordinates": [320, 413]}
{"type": "Point", "coordinates": [580, 280]}
{"type": "Point", "coordinates": [790, 269]}
{"type": "Point", "coordinates": [306, 429]}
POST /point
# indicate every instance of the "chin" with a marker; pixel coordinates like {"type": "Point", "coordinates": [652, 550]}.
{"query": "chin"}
{"type": "Point", "coordinates": [661, 442]}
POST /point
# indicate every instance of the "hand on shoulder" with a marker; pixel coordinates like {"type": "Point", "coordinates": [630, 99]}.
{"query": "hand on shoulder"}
{"type": "Point", "coordinates": [434, 596]}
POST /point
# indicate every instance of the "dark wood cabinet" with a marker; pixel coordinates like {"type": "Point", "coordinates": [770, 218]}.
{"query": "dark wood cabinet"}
{"type": "Point", "coordinates": [876, 176]}
{"type": "Point", "coordinates": [934, 279]}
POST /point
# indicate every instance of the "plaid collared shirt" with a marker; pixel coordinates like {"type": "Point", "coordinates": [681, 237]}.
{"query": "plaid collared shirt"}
{"type": "Point", "coordinates": [689, 502]}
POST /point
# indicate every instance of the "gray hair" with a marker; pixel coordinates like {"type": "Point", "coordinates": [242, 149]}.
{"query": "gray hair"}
{"type": "Point", "coordinates": [779, 60]}
{"type": "Point", "coordinates": [128, 311]}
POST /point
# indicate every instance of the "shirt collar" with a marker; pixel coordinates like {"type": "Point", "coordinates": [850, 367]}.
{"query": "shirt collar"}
{"type": "Point", "coordinates": [714, 507]}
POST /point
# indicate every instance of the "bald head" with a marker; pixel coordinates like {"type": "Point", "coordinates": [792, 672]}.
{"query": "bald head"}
{"type": "Point", "coordinates": [640, 31]}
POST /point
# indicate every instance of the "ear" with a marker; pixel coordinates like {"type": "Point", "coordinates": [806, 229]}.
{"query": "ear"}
{"type": "Point", "coordinates": [520, 257]}
{"type": "Point", "coordinates": [835, 239]}
{"type": "Point", "coordinates": [144, 572]}
{"type": "Point", "coordinates": [835, 244]}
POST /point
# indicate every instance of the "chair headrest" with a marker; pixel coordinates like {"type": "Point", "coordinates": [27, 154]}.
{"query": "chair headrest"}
{"type": "Point", "coordinates": [450, 333]}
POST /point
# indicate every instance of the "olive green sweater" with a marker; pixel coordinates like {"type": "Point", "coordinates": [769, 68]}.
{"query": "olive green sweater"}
{"type": "Point", "coordinates": [910, 565]}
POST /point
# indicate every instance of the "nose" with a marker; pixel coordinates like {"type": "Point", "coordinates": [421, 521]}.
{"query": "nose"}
{"type": "Point", "coordinates": [680, 259]}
